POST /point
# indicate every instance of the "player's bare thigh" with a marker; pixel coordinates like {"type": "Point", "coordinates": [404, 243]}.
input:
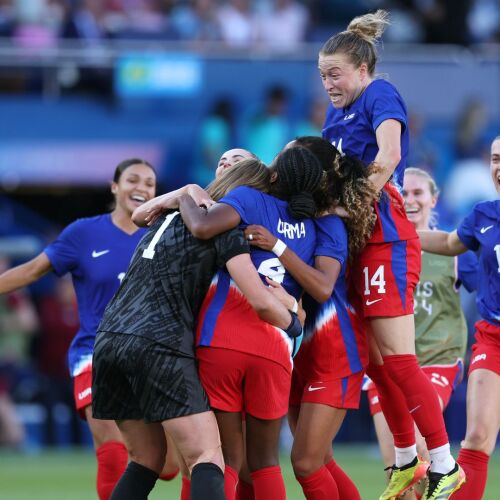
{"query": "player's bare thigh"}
{"type": "Point", "coordinates": [197, 438]}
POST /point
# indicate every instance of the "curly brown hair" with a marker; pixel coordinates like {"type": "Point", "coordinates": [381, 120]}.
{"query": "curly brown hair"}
{"type": "Point", "coordinates": [346, 185]}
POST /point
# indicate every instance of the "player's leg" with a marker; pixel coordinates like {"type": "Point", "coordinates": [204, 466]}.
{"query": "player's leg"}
{"type": "Point", "coordinates": [316, 427]}
{"type": "Point", "coordinates": [244, 488]}
{"type": "Point", "coordinates": [147, 448]}
{"type": "Point", "coordinates": [483, 423]}
{"type": "Point", "coordinates": [231, 433]}
{"type": "Point", "coordinates": [197, 439]}
{"type": "Point", "coordinates": [262, 444]}
{"type": "Point", "coordinates": [111, 453]}
{"type": "Point", "coordinates": [171, 467]}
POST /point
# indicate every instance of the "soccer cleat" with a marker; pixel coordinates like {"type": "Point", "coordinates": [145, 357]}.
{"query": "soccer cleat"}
{"type": "Point", "coordinates": [442, 486]}
{"type": "Point", "coordinates": [404, 478]}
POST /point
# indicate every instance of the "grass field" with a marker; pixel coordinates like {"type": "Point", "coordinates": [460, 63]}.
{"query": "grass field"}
{"type": "Point", "coordinates": [70, 475]}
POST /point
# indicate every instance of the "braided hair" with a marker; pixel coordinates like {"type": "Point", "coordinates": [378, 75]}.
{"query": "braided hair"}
{"type": "Point", "coordinates": [299, 176]}
{"type": "Point", "coordinates": [346, 184]}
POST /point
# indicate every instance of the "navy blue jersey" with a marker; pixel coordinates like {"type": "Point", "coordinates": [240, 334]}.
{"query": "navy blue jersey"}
{"type": "Point", "coordinates": [96, 253]}
{"type": "Point", "coordinates": [352, 130]}
{"type": "Point", "coordinates": [480, 231]}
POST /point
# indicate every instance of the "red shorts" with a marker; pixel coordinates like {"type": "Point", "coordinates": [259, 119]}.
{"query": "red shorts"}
{"type": "Point", "coordinates": [384, 278]}
{"type": "Point", "coordinates": [444, 378]}
{"type": "Point", "coordinates": [236, 382]}
{"type": "Point", "coordinates": [82, 391]}
{"type": "Point", "coordinates": [486, 349]}
{"type": "Point", "coordinates": [339, 392]}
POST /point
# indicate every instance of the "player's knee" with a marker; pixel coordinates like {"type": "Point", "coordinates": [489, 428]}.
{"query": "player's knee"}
{"type": "Point", "coordinates": [262, 459]}
{"type": "Point", "coordinates": [304, 465]}
{"type": "Point", "coordinates": [211, 455]}
{"type": "Point", "coordinates": [152, 457]}
{"type": "Point", "coordinates": [478, 438]}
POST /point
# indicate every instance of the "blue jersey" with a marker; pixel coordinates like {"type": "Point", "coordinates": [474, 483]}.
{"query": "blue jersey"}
{"type": "Point", "coordinates": [255, 207]}
{"type": "Point", "coordinates": [97, 254]}
{"type": "Point", "coordinates": [352, 130]}
{"type": "Point", "coordinates": [335, 339]}
{"type": "Point", "coordinates": [480, 231]}
{"type": "Point", "coordinates": [227, 320]}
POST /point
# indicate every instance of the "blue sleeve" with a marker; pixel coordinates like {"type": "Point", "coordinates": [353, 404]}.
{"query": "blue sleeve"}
{"type": "Point", "coordinates": [242, 199]}
{"type": "Point", "coordinates": [331, 238]}
{"type": "Point", "coordinates": [385, 103]}
{"type": "Point", "coordinates": [64, 253]}
{"type": "Point", "coordinates": [467, 270]}
{"type": "Point", "coordinates": [466, 232]}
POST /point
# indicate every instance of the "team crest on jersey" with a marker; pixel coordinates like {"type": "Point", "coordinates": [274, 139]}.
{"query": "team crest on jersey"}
{"type": "Point", "coordinates": [292, 231]}
{"type": "Point", "coordinates": [349, 117]}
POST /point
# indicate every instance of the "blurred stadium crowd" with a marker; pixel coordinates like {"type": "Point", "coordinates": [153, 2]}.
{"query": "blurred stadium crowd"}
{"type": "Point", "coordinates": [241, 23]}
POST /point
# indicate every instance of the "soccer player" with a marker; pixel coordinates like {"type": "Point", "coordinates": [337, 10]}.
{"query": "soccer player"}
{"type": "Point", "coordinates": [96, 252]}
{"type": "Point", "coordinates": [144, 371]}
{"type": "Point", "coordinates": [328, 369]}
{"type": "Point", "coordinates": [480, 232]}
{"type": "Point", "coordinates": [244, 364]}
{"type": "Point", "coordinates": [441, 331]}
{"type": "Point", "coordinates": [367, 119]}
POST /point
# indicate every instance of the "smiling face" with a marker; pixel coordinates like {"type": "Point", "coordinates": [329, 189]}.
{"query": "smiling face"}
{"type": "Point", "coordinates": [137, 184]}
{"type": "Point", "coordinates": [419, 200]}
{"type": "Point", "coordinates": [342, 81]}
{"type": "Point", "coordinates": [229, 158]}
{"type": "Point", "coordinates": [495, 163]}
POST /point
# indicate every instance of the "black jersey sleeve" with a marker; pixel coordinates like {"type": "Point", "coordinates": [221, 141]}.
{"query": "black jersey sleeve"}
{"type": "Point", "coordinates": [229, 245]}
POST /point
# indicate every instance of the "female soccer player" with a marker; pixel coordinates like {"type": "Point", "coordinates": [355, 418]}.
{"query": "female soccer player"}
{"type": "Point", "coordinates": [96, 251]}
{"type": "Point", "coordinates": [367, 119]}
{"type": "Point", "coordinates": [480, 232]}
{"type": "Point", "coordinates": [244, 364]}
{"type": "Point", "coordinates": [329, 368]}
{"type": "Point", "coordinates": [441, 331]}
{"type": "Point", "coordinates": [144, 370]}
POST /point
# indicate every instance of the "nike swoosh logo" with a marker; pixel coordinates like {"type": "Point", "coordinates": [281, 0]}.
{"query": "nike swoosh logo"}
{"type": "Point", "coordinates": [311, 388]}
{"type": "Point", "coordinates": [415, 409]}
{"type": "Point", "coordinates": [370, 302]}
{"type": "Point", "coordinates": [98, 254]}
{"type": "Point", "coordinates": [484, 229]}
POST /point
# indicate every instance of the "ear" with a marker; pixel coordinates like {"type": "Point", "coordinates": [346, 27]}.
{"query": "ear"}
{"type": "Point", "coordinates": [274, 177]}
{"type": "Point", "coordinates": [434, 201]}
{"type": "Point", "coordinates": [363, 71]}
{"type": "Point", "coordinates": [114, 187]}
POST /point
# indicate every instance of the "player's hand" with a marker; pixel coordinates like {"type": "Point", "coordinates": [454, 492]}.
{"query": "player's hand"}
{"type": "Point", "coordinates": [260, 237]}
{"type": "Point", "coordinates": [338, 210]}
{"type": "Point", "coordinates": [200, 196]}
{"type": "Point", "coordinates": [280, 293]}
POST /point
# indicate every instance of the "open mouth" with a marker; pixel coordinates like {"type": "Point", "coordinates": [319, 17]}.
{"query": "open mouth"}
{"type": "Point", "coordinates": [411, 210]}
{"type": "Point", "coordinates": [138, 198]}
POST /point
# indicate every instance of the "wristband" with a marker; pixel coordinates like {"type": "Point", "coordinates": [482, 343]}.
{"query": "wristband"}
{"type": "Point", "coordinates": [278, 248]}
{"type": "Point", "coordinates": [294, 328]}
{"type": "Point", "coordinates": [295, 307]}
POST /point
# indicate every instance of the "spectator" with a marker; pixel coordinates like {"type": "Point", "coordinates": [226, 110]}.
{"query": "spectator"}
{"type": "Point", "coordinates": [237, 23]}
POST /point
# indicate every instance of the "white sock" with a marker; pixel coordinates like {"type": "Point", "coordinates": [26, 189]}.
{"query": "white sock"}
{"type": "Point", "coordinates": [441, 459]}
{"type": "Point", "coordinates": [405, 455]}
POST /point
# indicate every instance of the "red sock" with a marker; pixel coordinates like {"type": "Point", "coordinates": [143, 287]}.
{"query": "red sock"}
{"type": "Point", "coordinates": [244, 490]}
{"type": "Point", "coordinates": [393, 404]}
{"type": "Point", "coordinates": [475, 465]}
{"type": "Point", "coordinates": [268, 483]}
{"type": "Point", "coordinates": [421, 397]}
{"type": "Point", "coordinates": [345, 485]}
{"type": "Point", "coordinates": [319, 485]}
{"type": "Point", "coordinates": [230, 481]}
{"type": "Point", "coordinates": [169, 476]}
{"type": "Point", "coordinates": [186, 488]}
{"type": "Point", "coordinates": [112, 460]}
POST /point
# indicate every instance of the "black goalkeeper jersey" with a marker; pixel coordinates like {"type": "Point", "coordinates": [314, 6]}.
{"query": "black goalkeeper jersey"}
{"type": "Point", "coordinates": [166, 282]}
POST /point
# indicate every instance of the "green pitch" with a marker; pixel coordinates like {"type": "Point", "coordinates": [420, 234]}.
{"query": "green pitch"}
{"type": "Point", "coordinates": [70, 475]}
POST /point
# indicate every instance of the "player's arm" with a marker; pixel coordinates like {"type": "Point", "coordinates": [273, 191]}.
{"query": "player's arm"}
{"type": "Point", "coordinates": [267, 306]}
{"type": "Point", "coordinates": [388, 136]}
{"type": "Point", "coordinates": [441, 242]}
{"type": "Point", "coordinates": [148, 212]}
{"type": "Point", "coordinates": [317, 281]}
{"type": "Point", "coordinates": [205, 224]}
{"type": "Point", "coordinates": [25, 274]}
